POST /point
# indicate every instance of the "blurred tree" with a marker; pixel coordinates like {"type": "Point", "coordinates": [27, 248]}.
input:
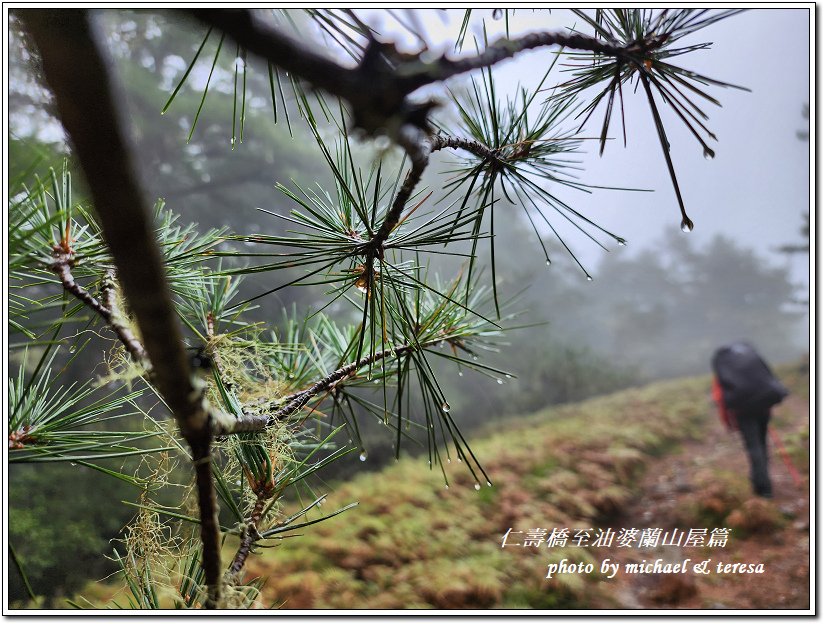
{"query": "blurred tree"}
{"type": "Point", "coordinates": [666, 309]}
{"type": "Point", "coordinates": [253, 409]}
{"type": "Point", "coordinates": [803, 247]}
{"type": "Point", "coordinates": [800, 248]}
{"type": "Point", "coordinates": [53, 539]}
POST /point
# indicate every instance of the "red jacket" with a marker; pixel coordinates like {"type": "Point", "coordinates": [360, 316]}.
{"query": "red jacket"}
{"type": "Point", "coordinates": [727, 415]}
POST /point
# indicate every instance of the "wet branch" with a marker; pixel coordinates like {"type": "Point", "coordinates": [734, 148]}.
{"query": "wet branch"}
{"type": "Point", "coordinates": [123, 332]}
{"type": "Point", "coordinates": [250, 534]}
{"type": "Point", "coordinates": [294, 402]}
{"type": "Point", "coordinates": [419, 146]}
{"type": "Point", "coordinates": [378, 88]}
{"type": "Point", "coordinates": [107, 310]}
{"type": "Point", "coordinates": [504, 49]}
{"type": "Point", "coordinates": [443, 141]}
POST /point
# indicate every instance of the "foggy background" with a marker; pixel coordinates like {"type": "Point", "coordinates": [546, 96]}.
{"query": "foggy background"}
{"type": "Point", "coordinates": [757, 186]}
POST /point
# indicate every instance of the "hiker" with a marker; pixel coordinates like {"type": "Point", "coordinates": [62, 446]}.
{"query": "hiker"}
{"type": "Point", "coordinates": [745, 390]}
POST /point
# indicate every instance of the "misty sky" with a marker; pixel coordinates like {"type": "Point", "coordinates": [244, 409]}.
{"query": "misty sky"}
{"type": "Point", "coordinates": [756, 188]}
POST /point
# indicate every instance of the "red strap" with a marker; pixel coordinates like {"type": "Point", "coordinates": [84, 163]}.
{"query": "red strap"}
{"type": "Point", "coordinates": [727, 415]}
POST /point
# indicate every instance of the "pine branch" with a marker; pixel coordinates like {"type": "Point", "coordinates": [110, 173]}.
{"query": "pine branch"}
{"type": "Point", "coordinates": [250, 534]}
{"type": "Point", "coordinates": [123, 332]}
{"type": "Point", "coordinates": [377, 89]}
{"type": "Point", "coordinates": [504, 48]}
{"type": "Point", "coordinates": [209, 523]}
{"type": "Point", "coordinates": [79, 79]}
{"type": "Point", "coordinates": [443, 141]}
{"type": "Point", "coordinates": [419, 146]}
{"type": "Point", "coordinates": [250, 423]}
{"type": "Point", "coordinates": [61, 266]}
{"type": "Point", "coordinates": [293, 402]}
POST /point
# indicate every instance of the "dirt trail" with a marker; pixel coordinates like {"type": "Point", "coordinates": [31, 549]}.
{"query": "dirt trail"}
{"type": "Point", "coordinates": [707, 480]}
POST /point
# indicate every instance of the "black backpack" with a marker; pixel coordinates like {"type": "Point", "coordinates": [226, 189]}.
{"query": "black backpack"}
{"type": "Point", "coordinates": [746, 380]}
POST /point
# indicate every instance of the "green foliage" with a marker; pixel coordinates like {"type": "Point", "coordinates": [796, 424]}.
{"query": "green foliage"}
{"type": "Point", "coordinates": [562, 374]}
{"type": "Point", "coordinates": [50, 424]}
{"type": "Point", "coordinates": [52, 531]}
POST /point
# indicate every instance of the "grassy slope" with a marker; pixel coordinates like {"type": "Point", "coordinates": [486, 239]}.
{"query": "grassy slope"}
{"type": "Point", "coordinates": [414, 544]}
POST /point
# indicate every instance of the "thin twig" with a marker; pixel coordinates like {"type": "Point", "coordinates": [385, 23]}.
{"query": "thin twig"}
{"type": "Point", "coordinates": [504, 49]}
{"type": "Point", "coordinates": [61, 266]}
{"type": "Point", "coordinates": [442, 141]}
{"type": "Point", "coordinates": [297, 400]}
{"type": "Point", "coordinates": [123, 332]}
{"type": "Point", "coordinates": [250, 535]}
{"type": "Point", "coordinates": [418, 146]}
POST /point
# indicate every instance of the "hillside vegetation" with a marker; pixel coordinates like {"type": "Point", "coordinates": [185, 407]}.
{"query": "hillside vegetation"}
{"type": "Point", "coordinates": [414, 543]}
